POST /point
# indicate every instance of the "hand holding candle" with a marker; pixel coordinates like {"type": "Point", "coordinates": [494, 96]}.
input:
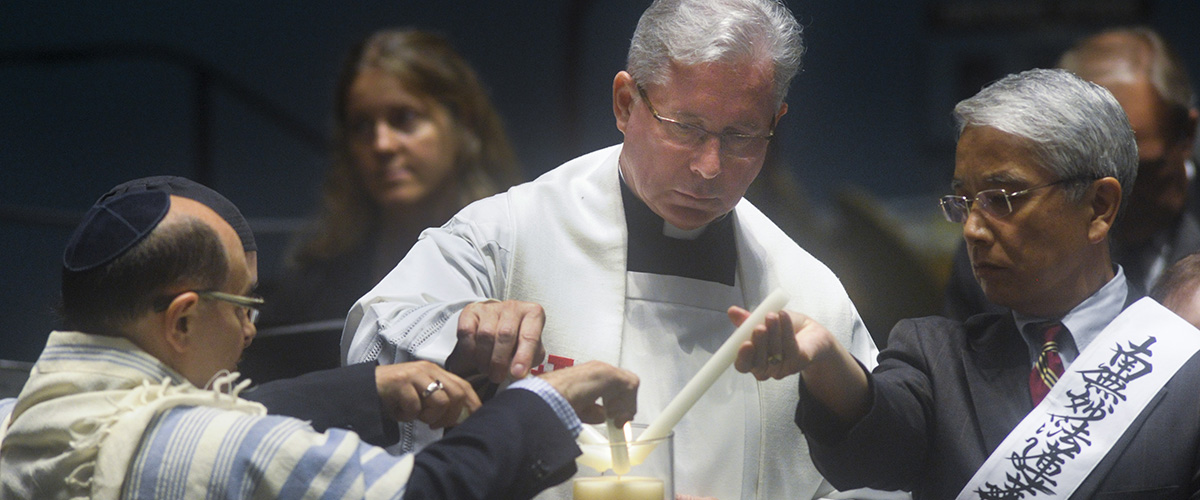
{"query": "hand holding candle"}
{"type": "Point", "coordinates": [773, 351]}
{"type": "Point", "coordinates": [720, 361]}
{"type": "Point", "coordinates": [636, 452]}
{"type": "Point", "coordinates": [582, 385]}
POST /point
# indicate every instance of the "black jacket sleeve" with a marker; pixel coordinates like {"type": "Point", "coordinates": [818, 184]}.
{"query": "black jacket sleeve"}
{"type": "Point", "coordinates": [513, 447]}
{"type": "Point", "coordinates": [344, 398]}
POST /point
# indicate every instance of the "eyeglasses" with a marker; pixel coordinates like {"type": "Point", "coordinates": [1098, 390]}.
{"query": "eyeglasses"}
{"type": "Point", "coordinates": [687, 135]}
{"type": "Point", "coordinates": [996, 203]}
{"type": "Point", "coordinates": [250, 304]}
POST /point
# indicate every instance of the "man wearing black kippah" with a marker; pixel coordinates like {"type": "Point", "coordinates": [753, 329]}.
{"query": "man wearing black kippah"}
{"type": "Point", "coordinates": [137, 396]}
{"type": "Point", "coordinates": [366, 398]}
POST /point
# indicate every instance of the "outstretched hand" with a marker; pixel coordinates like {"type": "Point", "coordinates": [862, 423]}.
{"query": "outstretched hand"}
{"type": "Point", "coordinates": [788, 343]}
{"type": "Point", "coordinates": [498, 339]}
{"type": "Point", "coordinates": [783, 345]}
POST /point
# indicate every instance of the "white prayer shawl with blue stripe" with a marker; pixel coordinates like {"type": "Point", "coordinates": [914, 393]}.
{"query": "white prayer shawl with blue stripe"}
{"type": "Point", "coordinates": [101, 419]}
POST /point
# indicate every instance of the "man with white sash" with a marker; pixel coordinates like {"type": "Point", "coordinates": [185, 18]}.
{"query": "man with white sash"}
{"type": "Point", "coordinates": [142, 401]}
{"type": "Point", "coordinates": [632, 254]}
{"type": "Point", "coordinates": [1094, 403]}
{"type": "Point", "coordinates": [1043, 163]}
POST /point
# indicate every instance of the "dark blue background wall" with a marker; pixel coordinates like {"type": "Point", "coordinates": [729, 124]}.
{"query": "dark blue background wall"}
{"type": "Point", "coordinates": [870, 108]}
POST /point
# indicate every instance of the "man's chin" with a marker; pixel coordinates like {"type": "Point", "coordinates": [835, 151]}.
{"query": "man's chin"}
{"type": "Point", "coordinates": [687, 218]}
{"type": "Point", "coordinates": [999, 295]}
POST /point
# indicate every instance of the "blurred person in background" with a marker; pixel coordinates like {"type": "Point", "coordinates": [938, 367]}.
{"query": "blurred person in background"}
{"type": "Point", "coordinates": [1179, 289]}
{"type": "Point", "coordinates": [415, 140]}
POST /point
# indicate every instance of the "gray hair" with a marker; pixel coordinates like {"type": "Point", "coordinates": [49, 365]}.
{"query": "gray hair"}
{"type": "Point", "coordinates": [1076, 129]}
{"type": "Point", "coordinates": [700, 31]}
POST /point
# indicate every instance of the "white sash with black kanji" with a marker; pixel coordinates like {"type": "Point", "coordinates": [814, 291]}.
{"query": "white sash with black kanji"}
{"type": "Point", "coordinates": [1057, 445]}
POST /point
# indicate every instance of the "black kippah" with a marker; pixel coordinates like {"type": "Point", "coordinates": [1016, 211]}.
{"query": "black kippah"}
{"type": "Point", "coordinates": [192, 190]}
{"type": "Point", "coordinates": [112, 226]}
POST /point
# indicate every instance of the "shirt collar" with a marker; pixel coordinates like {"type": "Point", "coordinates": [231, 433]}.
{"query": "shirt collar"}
{"type": "Point", "coordinates": [1085, 321]}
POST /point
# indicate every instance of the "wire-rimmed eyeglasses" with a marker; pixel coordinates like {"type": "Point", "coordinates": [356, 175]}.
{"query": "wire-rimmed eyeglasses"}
{"type": "Point", "coordinates": [687, 135]}
{"type": "Point", "coordinates": [250, 304]}
{"type": "Point", "coordinates": [996, 203]}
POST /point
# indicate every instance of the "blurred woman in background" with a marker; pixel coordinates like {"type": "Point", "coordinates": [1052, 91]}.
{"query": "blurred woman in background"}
{"type": "Point", "coordinates": [415, 140]}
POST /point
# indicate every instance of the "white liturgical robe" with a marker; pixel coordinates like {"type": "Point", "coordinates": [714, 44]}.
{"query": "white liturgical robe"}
{"type": "Point", "coordinates": [561, 241]}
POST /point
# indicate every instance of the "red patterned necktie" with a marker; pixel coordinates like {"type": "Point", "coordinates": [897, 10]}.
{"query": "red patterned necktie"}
{"type": "Point", "coordinates": [1049, 364]}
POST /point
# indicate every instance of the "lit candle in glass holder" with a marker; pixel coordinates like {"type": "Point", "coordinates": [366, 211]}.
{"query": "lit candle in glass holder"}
{"type": "Point", "coordinates": [642, 452]}
{"type": "Point", "coordinates": [651, 478]}
{"type": "Point", "coordinates": [619, 487]}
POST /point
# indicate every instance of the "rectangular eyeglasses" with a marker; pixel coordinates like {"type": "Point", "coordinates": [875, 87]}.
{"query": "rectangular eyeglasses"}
{"type": "Point", "coordinates": [996, 203]}
{"type": "Point", "coordinates": [687, 135]}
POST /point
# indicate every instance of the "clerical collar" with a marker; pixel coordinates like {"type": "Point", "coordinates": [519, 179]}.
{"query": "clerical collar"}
{"type": "Point", "coordinates": [669, 230]}
{"type": "Point", "coordinates": [708, 253]}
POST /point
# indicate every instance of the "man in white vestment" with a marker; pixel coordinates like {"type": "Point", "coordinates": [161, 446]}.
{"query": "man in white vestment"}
{"type": "Point", "coordinates": [136, 398]}
{"type": "Point", "coordinates": [632, 255]}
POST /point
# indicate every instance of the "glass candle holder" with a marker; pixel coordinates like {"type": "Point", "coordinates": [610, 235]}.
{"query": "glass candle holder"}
{"type": "Point", "coordinates": [651, 473]}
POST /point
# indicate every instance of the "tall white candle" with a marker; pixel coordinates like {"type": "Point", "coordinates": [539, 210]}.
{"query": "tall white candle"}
{"type": "Point", "coordinates": [721, 360]}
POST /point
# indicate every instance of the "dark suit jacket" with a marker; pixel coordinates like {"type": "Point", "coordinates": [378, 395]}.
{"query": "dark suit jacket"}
{"type": "Point", "coordinates": [512, 448]}
{"type": "Point", "coordinates": [945, 394]}
{"type": "Point", "coordinates": [343, 398]}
